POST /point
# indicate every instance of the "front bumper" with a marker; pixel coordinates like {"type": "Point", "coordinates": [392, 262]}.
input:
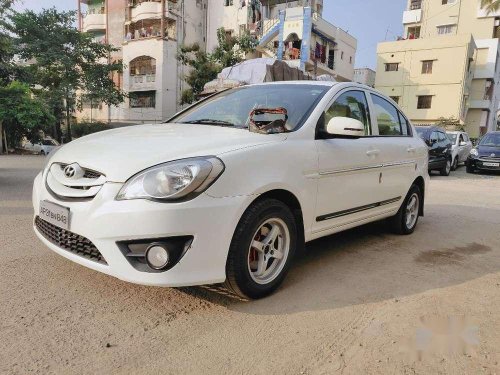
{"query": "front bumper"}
{"type": "Point", "coordinates": [106, 222]}
{"type": "Point", "coordinates": [479, 163]}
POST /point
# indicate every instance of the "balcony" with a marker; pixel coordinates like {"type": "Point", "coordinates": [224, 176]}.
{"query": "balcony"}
{"type": "Point", "coordinates": [146, 10]}
{"type": "Point", "coordinates": [412, 16]}
{"type": "Point", "coordinates": [94, 22]}
{"type": "Point", "coordinates": [143, 82]}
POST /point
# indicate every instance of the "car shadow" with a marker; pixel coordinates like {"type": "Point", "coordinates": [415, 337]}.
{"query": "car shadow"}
{"type": "Point", "coordinates": [368, 264]}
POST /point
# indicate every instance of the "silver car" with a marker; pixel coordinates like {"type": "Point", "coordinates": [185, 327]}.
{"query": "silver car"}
{"type": "Point", "coordinates": [461, 146]}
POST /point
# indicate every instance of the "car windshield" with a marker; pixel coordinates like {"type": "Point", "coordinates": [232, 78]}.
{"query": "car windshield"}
{"type": "Point", "coordinates": [49, 142]}
{"type": "Point", "coordinates": [452, 137]}
{"type": "Point", "coordinates": [492, 139]}
{"type": "Point", "coordinates": [234, 107]}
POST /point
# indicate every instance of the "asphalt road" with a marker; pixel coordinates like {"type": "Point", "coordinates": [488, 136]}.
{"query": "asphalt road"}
{"type": "Point", "coordinates": [364, 301]}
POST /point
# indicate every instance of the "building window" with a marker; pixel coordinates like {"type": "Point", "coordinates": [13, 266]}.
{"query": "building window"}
{"type": "Point", "coordinates": [445, 29]}
{"type": "Point", "coordinates": [413, 32]}
{"type": "Point", "coordinates": [228, 3]}
{"type": "Point", "coordinates": [424, 102]}
{"type": "Point", "coordinates": [342, 55]}
{"type": "Point", "coordinates": [395, 99]}
{"type": "Point", "coordinates": [143, 99]}
{"type": "Point", "coordinates": [391, 67]}
{"type": "Point", "coordinates": [350, 59]}
{"type": "Point", "coordinates": [415, 4]}
{"type": "Point", "coordinates": [427, 66]}
{"type": "Point", "coordinates": [445, 2]}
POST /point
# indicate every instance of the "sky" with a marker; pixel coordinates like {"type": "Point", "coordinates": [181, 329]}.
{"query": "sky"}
{"type": "Point", "coordinates": [369, 21]}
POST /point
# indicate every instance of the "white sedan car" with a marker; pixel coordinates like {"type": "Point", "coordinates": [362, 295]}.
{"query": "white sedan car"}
{"type": "Point", "coordinates": [230, 188]}
{"type": "Point", "coordinates": [43, 147]}
{"type": "Point", "coordinates": [461, 146]}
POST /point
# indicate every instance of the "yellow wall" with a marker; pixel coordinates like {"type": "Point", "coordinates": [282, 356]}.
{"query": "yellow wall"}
{"type": "Point", "coordinates": [447, 83]}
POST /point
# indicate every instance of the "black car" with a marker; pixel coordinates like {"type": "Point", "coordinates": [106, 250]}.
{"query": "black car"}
{"type": "Point", "coordinates": [439, 148]}
{"type": "Point", "coordinates": [486, 155]}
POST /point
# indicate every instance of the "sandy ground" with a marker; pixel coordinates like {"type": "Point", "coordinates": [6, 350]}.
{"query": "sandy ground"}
{"type": "Point", "coordinates": [364, 301]}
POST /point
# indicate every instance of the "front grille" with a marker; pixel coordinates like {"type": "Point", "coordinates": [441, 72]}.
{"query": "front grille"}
{"type": "Point", "coordinates": [69, 241]}
{"type": "Point", "coordinates": [91, 174]}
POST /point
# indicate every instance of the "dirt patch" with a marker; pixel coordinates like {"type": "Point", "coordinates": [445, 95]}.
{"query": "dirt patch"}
{"type": "Point", "coordinates": [453, 255]}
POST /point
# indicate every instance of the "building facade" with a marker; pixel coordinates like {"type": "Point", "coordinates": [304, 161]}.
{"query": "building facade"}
{"type": "Point", "coordinates": [148, 34]}
{"type": "Point", "coordinates": [446, 64]}
{"type": "Point", "coordinates": [365, 76]}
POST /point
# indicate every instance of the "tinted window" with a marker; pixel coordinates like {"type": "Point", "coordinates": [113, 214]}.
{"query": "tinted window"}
{"type": "Point", "coordinates": [434, 137]}
{"type": "Point", "coordinates": [443, 138]}
{"type": "Point", "coordinates": [452, 137]}
{"type": "Point", "coordinates": [350, 104]}
{"type": "Point", "coordinates": [233, 107]}
{"type": "Point", "coordinates": [387, 117]}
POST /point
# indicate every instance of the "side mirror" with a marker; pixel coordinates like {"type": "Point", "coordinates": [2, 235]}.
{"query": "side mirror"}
{"type": "Point", "coordinates": [345, 126]}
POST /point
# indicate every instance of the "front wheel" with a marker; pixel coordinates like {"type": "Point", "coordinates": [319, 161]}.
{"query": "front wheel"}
{"type": "Point", "coordinates": [454, 166]}
{"type": "Point", "coordinates": [405, 221]}
{"type": "Point", "coordinates": [445, 171]}
{"type": "Point", "coordinates": [469, 168]}
{"type": "Point", "coordinates": [261, 250]}
{"type": "Point", "coordinates": [42, 153]}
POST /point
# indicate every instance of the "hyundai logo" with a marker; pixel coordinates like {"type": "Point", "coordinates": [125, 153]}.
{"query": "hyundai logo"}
{"type": "Point", "coordinates": [73, 171]}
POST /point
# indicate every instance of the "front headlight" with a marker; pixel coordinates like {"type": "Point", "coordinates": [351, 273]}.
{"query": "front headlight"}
{"type": "Point", "coordinates": [474, 153]}
{"type": "Point", "coordinates": [173, 180]}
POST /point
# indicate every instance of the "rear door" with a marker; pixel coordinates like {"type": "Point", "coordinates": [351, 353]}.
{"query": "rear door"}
{"type": "Point", "coordinates": [398, 150]}
{"type": "Point", "coordinates": [348, 167]}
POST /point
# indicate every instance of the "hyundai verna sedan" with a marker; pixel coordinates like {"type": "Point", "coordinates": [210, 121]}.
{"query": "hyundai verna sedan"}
{"type": "Point", "coordinates": [229, 189]}
{"type": "Point", "coordinates": [486, 156]}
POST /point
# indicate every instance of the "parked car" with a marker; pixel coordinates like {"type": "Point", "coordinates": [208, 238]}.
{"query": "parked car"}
{"type": "Point", "coordinates": [460, 147]}
{"type": "Point", "coordinates": [486, 155]}
{"type": "Point", "coordinates": [440, 156]}
{"type": "Point", "coordinates": [43, 147]}
{"type": "Point", "coordinates": [229, 188]}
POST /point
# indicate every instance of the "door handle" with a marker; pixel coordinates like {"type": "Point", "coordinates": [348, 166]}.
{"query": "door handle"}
{"type": "Point", "coordinates": [411, 149]}
{"type": "Point", "coordinates": [372, 152]}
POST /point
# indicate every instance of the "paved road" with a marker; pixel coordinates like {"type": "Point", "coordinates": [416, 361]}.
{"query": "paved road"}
{"type": "Point", "coordinates": [364, 301]}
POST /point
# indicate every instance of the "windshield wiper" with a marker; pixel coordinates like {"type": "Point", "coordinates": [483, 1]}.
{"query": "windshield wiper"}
{"type": "Point", "coordinates": [209, 121]}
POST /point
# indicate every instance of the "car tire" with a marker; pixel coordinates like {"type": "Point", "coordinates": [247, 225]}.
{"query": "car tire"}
{"type": "Point", "coordinates": [42, 153]}
{"type": "Point", "coordinates": [454, 165]}
{"type": "Point", "coordinates": [469, 169]}
{"type": "Point", "coordinates": [445, 171]}
{"type": "Point", "coordinates": [405, 221]}
{"type": "Point", "coordinates": [254, 272]}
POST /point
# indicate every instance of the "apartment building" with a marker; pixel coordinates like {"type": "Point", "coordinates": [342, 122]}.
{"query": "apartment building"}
{"type": "Point", "coordinates": [445, 65]}
{"type": "Point", "coordinates": [365, 76]}
{"type": "Point", "coordinates": [148, 34]}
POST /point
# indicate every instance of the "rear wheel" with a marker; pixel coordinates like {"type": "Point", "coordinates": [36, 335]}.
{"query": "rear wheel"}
{"type": "Point", "coordinates": [445, 171]}
{"type": "Point", "coordinates": [261, 250]}
{"type": "Point", "coordinates": [405, 221]}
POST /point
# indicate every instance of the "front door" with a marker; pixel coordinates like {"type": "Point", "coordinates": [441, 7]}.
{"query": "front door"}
{"type": "Point", "coordinates": [348, 168]}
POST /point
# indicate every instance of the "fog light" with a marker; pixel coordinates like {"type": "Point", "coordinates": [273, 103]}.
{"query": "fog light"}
{"type": "Point", "coordinates": [157, 256]}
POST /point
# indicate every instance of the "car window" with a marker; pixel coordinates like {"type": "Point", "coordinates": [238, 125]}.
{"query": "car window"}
{"type": "Point", "coordinates": [490, 139]}
{"type": "Point", "coordinates": [466, 137]}
{"type": "Point", "coordinates": [442, 138]}
{"type": "Point", "coordinates": [405, 125]}
{"type": "Point", "coordinates": [387, 117]}
{"type": "Point", "coordinates": [350, 104]}
{"type": "Point", "coordinates": [461, 138]}
{"type": "Point", "coordinates": [452, 137]}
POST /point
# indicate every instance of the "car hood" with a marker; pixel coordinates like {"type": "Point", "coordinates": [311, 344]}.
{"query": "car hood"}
{"type": "Point", "coordinates": [121, 153]}
{"type": "Point", "coordinates": [487, 151]}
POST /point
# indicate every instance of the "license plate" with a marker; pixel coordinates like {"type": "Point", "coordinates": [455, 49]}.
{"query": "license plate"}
{"type": "Point", "coordinates": [486, 164]}
{"type": "Point", "coordinates": [54, 214]}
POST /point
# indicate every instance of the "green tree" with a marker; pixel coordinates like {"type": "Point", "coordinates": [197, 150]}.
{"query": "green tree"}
{"type": "Point", "coordinates": [205, 66]}
{"type": "Point", "coordinates": [491, 6]}
{"type": "Point", "coordinates": [64, 61]}
{"type": "Point", "coordinates": [22, 114]}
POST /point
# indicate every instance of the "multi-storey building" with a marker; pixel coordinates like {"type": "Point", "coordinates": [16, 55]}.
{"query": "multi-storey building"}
{"type": "Point", "coordinates": [148, 33]}
{"type": "Point", "coordinates": [446, 65]}
{"type": "Point", "coordinates": [365, 76]}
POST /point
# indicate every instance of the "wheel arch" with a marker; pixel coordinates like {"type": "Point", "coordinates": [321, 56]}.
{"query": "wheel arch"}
{"type": "Point", "coordinates": [291, 200]}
